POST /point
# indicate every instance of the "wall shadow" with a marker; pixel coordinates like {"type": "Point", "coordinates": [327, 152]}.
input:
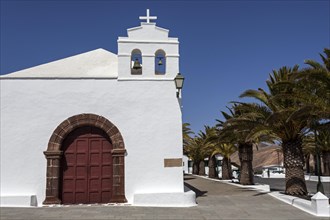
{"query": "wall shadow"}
{"type": "Point", "coordinates": [198, 192]}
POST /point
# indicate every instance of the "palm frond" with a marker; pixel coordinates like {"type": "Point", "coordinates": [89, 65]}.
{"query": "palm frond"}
{"type": "Point", "coordinates": [257, 94]}
{"type": "Point", "coordinates": [313, 64]}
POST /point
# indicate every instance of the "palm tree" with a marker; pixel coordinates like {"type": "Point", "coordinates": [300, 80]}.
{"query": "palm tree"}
{"type": "Point", "coordinates": [308, 146]}
{"type": "Point", "coordinates": [237, 135]}
{"type": "Point", "coordinates": [315, 145]}
{"type": "Point", "coordinates": [323, 141]}
{"type": "Point", "coordinates": [236, 130]}
{"type": "Point", "coordinates": [186, 132]}
{"type": "Point", "coordinates": [288, 121]}
{"type": "Point", "coordinates": [211, 134]}
{"type": "Point", "coordinates": [206, 142]}
{"type": "Point", "coordinates": [226, 150]}
{"type": "Point", "coordinates": [312, 99]}
{"type": "Point", "coordinates": [317, 81]}
{"type": "Point", "coordinates": [197, 148]}
{"type": "Point", "coordinates": [213, 171]}
{"type": "Point", "coordinates": [216, 144]}
{"type": "Point", "coordinates": [193, 151]}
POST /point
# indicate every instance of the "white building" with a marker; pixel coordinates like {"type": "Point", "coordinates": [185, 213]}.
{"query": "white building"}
{"type": "Point", "coordinates": [96, 127]}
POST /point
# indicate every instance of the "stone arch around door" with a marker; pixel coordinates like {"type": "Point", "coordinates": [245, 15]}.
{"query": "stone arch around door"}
{"type": "Point", "coordinates": [54, 155]}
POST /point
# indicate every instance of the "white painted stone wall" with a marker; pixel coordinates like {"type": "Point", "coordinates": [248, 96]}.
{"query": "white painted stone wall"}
{"type": "Point", "coordinates": [148, 38]}
{"type": "Point", "coordinates": [185, 160]}
{"type": "Point", "coordinates": [147, 113]}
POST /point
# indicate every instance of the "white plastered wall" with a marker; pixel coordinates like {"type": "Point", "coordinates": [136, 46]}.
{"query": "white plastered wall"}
{"type": "Point", "coordinates": [148, 38]}
{"type": "Point", "coordinates": [147, 113]}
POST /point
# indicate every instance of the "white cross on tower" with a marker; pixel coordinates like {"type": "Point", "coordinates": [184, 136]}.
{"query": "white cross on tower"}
{"type": "Point", "coordinates": [148, 17]}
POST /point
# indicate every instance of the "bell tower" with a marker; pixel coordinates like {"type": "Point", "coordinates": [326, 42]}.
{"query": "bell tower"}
{"type": "Point", "coordinates": [148, 53]}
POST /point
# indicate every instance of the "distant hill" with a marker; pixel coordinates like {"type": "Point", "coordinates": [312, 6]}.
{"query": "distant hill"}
{"type": "Point", "coordinates": [264, 156]}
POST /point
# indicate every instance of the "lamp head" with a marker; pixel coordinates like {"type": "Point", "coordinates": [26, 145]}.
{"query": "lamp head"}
{"type": "Point", "coordinates": [179, 81]}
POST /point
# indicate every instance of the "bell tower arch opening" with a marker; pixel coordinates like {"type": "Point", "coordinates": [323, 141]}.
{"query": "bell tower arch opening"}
{"type": "Point", "coordinates": [160, 62]}
{"type": "Point", "coordinates": [136, 62]}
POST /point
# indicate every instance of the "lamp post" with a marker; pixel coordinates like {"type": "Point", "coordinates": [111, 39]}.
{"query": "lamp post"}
{"type": "Point", "coordinates": [319, 186]}
{"type": "Point", "coordinates": [178, 83]}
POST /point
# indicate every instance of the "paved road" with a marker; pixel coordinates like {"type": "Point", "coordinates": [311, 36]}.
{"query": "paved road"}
{"type": "Point", "coordinates": [216, 200]}
{"type": "Point", "coordinates": [278, 184]}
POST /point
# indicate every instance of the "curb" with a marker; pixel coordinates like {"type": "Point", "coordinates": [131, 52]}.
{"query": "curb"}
{"type": "Point", "coordinates": [296, 202]}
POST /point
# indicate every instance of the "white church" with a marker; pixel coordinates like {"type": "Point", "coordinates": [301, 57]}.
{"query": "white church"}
{"type": "Point", "coordinates": [98, 127]}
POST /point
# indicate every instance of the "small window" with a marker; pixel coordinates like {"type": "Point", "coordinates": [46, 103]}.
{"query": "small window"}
{"type": "Point", "coordinates": [136, 62]}
{"type": "Point", "coordinates": [160, 62]}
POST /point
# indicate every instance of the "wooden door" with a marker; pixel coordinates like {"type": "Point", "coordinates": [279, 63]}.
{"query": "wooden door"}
{"type": "Point", "coordinates": [86, 167]}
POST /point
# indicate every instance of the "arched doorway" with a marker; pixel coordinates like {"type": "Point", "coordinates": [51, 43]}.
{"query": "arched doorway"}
{"type": "Point", "coordinates": [86, 167]}
{"type": "Point", "coordinates": [71, 129]}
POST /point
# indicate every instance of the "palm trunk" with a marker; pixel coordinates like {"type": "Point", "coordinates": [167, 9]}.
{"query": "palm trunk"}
{"type": "Point", "coordinates": [308, 168]}
{"type": "Point", "coordinates": [201, 168]}
{"type": "Point", "coordinates": [316, 171]}
{"type": "Point", "coordinates": [326, 163]}
{"type": "Point", "coordinates": [212, 167]}
{"type": "Point", "coordinates": [294, 168]}
{"type": "Point", "coordinates": [196, 167]}
{"type": "Point", "coordinates": [245, 152]}
{"type": "Point", "coordinates": [226, 169]}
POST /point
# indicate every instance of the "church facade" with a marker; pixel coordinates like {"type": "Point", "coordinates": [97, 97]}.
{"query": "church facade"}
{"type": "Point", "coordinates": [97, 127]}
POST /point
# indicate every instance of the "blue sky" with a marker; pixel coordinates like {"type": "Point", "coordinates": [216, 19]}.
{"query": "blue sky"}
{"type": "Point", "coordinates": [226, 47]}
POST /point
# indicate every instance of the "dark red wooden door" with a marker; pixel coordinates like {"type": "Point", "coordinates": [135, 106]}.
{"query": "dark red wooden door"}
{"type": "Point", "coordinates": [86, 167]}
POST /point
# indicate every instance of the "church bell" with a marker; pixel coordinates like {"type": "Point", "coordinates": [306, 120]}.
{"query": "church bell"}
{"type": "Point", "coordinates": [160, 62]}
{"type": "Point", "coordinates": [136, 64]}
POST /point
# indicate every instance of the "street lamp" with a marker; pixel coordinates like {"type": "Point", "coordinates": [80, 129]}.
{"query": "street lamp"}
{"type": "Point", "coordinates": [319, 186]}
{"type": "Point", "coordinates": [178, 83]}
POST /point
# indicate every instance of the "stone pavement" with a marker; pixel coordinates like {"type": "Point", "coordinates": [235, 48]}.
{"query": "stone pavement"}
{"type": "Point", "coordinates": [216, 200]}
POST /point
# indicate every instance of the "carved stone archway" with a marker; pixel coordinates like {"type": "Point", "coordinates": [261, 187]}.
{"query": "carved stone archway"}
{"type": "Point", "coordinates": [54, 155]}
